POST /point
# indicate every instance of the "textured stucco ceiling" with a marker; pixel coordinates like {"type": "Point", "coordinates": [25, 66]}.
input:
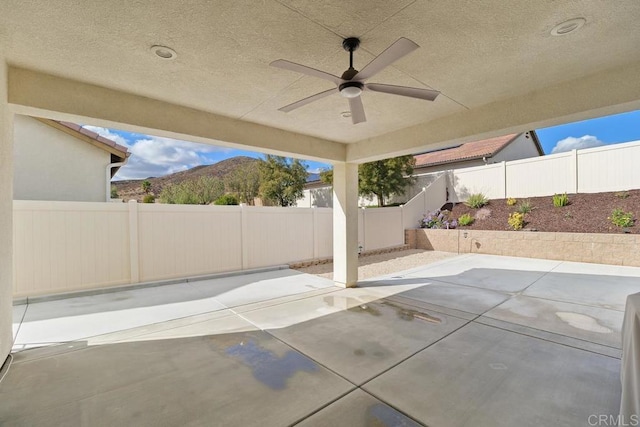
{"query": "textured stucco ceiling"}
{"type": "Point", "coordinates": [474, 52]}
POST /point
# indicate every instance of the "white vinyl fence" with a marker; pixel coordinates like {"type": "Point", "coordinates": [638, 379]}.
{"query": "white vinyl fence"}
{"type": "Point", "coordinates": [592, 170]}
{"type": "Point", "coordinates": [428, 200]}
{"type": "Point", "coordinates": [67, 246]}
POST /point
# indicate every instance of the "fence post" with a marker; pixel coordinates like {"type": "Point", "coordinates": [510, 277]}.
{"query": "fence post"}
{"type": "Point", "coordinates": [134, 243]}
{"type": "Point", "coordinates": [424, 200]}
{"type": "Point", "coordinates": [504, 176]}
{"type": "Point", "coordinates": [244, 236]}
{"type": "Point", "coordinates": [574, 156]}
{"type": "Point", "coordinates": [316, 249]}
{"type": "Point", "coordinates": [364, 229]}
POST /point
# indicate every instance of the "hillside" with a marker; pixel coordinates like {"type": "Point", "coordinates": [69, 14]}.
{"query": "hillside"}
{"type": "Point", "coordinates": [132, 189]}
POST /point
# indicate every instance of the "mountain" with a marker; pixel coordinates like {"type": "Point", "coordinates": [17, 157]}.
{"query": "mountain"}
{"type": "Point", "coordinates": [132, 189]}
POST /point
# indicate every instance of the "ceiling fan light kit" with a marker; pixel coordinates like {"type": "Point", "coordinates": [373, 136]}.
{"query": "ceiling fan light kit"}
{"type": "Point", "coordinates": [351, 89]}
{"type": "Point", "coordinates": [352, 82]}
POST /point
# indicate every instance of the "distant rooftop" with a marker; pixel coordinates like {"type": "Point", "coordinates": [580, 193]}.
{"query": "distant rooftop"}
{"type": "Point", "coordinates": [469, 151]}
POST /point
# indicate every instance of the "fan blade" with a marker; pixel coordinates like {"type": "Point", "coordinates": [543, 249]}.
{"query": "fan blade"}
{"type": "Point", "coordinates": [411, 92]}
{"type": "Point", "coordinates": [308, 100]}
{"type": "Point", "coordinates": [394, 52]}
{"type": "Point", "coordinates": [303, 69]}
{"type": "Point", "coordinates": [357, 110]}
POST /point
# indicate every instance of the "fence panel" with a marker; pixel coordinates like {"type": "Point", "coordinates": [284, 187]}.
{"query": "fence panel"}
{"type": "Point", "coordinates": [181, 240]}
{"type": "Point", "coordinates": [433, 197]}
{"type": "Point", "coordinates": [488, 180]}
{"type": "Point", "coordinates": [382, 228]}
{"type": "Point", "coordinates": [66, 246]}
{"type": "Point", "coordinates": [610, 168]}
{"type": "Point", "coordinates": [324, 232]}
{"type": "Point", "coordinates": [278, 235]}
{"type": "Point", "coordinates": [541, 176]}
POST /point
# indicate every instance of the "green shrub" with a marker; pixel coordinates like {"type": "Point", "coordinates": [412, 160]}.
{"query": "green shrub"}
{"type": "Point", "coordinates": [621, 218]}
{"type": "Point", "coordinates": [114, 192]}
{"type": "Point", "coordinates": [560, 200]}
{"type": "Point", "coordinates": [524, 207]}
{"type": "Point", "coordinates": [149, 198]}
{"type": "Point", "coordinates": [146, 186]}
{"type": "Point", "coordinates": [476, 201]}
{"type": "Point", "coordinates": [622, 194]}
{"type": "Point", "coordinates": [516, 220]}
{"type": "Point", "coordinates": [202, 191]}
{"type": "Point", "coordinates": [511, 201]}
{"type": "Point", "coordinates": [226, 199]}
{"type": "Point", "coordinates": [465, 220]}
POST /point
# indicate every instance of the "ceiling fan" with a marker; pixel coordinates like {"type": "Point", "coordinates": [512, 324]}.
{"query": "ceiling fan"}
{"type": "Point", "coordinates": [352, 82]}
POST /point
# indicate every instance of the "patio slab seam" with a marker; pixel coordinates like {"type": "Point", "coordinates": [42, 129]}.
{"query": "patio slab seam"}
{"type": "Point", "coordinates": [466, 323]}
{"type": "Point", "coordinates": [582, 304]}
{"type": "Point", "coordinates": [453, 312]}
{"type": "Point", "coordinates": [518, 329]}
{"type": "Point", "coordinates": [24, 314]}
{"type": "Point", "coordinates": [272, 302]}
{"type": "Point", "coordinates": [370, 394]}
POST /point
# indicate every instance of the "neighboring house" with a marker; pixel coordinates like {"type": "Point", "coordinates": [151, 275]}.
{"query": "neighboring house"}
{"type": "Point", "coordinates": [56, 160]}
{"type": "Point", "coordinates": [476, 153]}
{"type": "Point", "coordinates": [514, 146]}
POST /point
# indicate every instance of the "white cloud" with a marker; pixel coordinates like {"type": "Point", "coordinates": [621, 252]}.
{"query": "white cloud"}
{"type": "Point", "coordinates": [573, 143]}
{"type": "Point", "coordinates": [158, 156]}
{"type": "Point", "coordinates": [104, 132]}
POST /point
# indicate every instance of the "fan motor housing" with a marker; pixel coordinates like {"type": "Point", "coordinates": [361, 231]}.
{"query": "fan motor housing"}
{"type": "Point", "coordinates": [351, 89]}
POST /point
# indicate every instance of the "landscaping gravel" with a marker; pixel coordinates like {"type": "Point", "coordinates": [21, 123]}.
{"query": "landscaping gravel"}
{"type": "Point", "coordinates": [378, 265]}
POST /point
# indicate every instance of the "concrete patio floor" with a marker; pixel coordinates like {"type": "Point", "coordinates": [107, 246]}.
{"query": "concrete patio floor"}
{"type": "Point", "coordinates": [473, 340]}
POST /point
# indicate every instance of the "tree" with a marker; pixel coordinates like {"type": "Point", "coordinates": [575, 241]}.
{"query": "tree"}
{"type": "Point", "coordinates": [244, 181]}
{"type": "Point", "coordinates": [226, 199]}
{"type": "Point", "coordinates": [385, 177]}
{"type": "Point", "coordinates": [282, 180]}
{"type": "Point", "coordinates": [202, 191]}
{"type": "Point", "coordinates": [146, 186]}
{"type": "Point", "coordinates": [382, 178]}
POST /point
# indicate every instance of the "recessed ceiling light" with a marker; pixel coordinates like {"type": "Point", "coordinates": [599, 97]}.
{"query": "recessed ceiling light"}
{"type": "Point", "coordinates": [346, 114]}
{"type": "Point", "coordinates": [164, 52]}
{"type": "Point", "coordinates": [567, 27]}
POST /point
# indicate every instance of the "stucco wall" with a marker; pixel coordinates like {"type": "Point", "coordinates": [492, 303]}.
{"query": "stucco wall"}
{"type": "Point", "coordinates": [6, 217]}
{"type": "Point", "coordinates": [521, 148]}
{"type": "Point", "coordinates": [51, 165]}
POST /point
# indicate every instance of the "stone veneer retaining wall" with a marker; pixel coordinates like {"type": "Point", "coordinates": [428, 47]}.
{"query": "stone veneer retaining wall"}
{"type": "Point", "coordinates": [616, 249]}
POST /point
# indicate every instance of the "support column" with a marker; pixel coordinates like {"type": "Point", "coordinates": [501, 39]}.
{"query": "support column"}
{"type": "Point", "coordinates": [6, 217]}
{"type": "Point", "coordinates": [345, 224]}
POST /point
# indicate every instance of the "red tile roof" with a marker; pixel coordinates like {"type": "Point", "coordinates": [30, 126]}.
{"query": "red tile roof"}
{"type": "Point", "coordinates": [122, 150]}
{"type": "Point", "coordinates": [468, 151]}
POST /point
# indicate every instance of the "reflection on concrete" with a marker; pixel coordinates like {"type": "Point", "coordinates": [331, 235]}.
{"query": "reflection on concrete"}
{"type": "Point", "coordinates": [584, 322]}
{"type": "Point", "coordinates": [382, 415]}
{"type": "Point", "coordinates": [269, 369]}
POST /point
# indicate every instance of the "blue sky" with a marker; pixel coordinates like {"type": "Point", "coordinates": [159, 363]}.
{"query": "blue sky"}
{"type": "Point", "coordinates": [591, 133]}
{"type": "Point", "coordinates": [157, 156]}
